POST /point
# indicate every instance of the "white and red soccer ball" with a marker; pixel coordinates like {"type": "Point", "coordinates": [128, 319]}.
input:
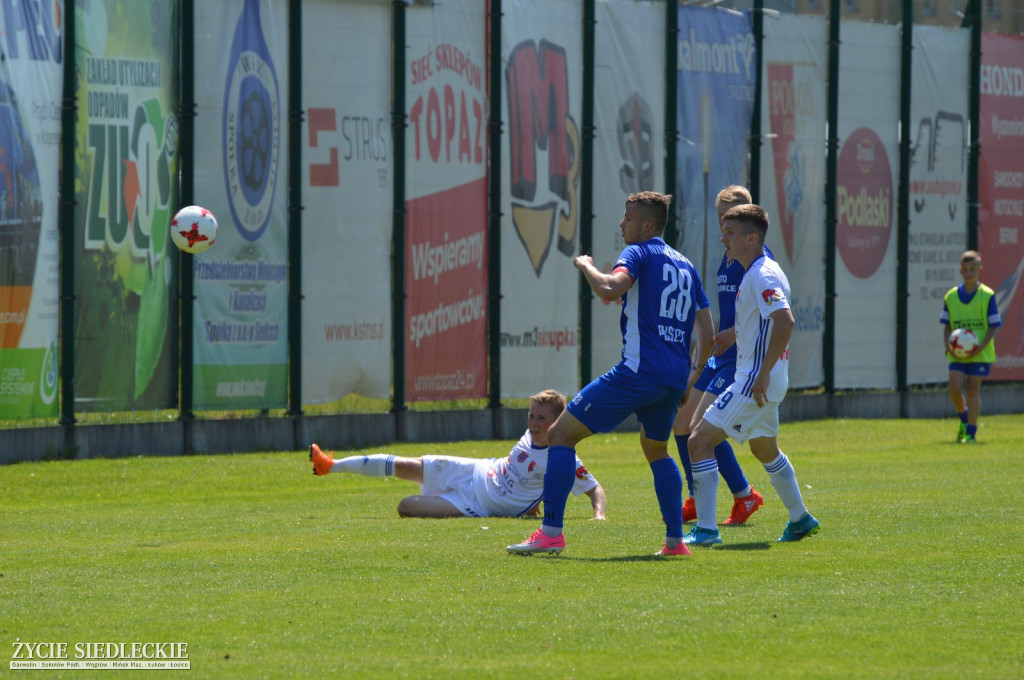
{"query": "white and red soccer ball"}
{"type": "Point", "coordinates": [961, 342]}
{"type": "Point", "coordinates": [193, 229]}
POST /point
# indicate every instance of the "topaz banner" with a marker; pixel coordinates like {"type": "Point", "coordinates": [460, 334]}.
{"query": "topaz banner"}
{"type": "Point", "coordinates": [347, 193]}
{"type": "Point", "coordinates": [938, 191]}
{"type": "Point", "coordinates": [629, 143]}
{"type": "Point", "coordinates": [446, 190]}
{"type": "Point", "coordinates": [716, 101]}
{"type": "Point", "coordinates": [31, 82]}
{"type": "Point", "coordinates": [540, 173]}
{"type": "Point", "coordinates": [126, 314]}
{"type": "Point", "coordinates": [868, 162]}
{"type": "Point", "coordinates": [1001, 182]}
{"type": "Point", "coordinates": [793, 117]}
{"type": "Point", "coordinates": [241, 283]}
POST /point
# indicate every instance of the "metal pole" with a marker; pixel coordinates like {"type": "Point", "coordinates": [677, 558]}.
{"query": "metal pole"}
{"type": "Point", "coordinates": [295, 120]}
{"type": "Point", "coordinates": [494, 209]}
{"type": "Point", "coordinates": [398, 209]}
{"type": "Point", "coordinates": [755, 121]}
{"type": "Point", "coordinates": [672, 235]}
{"type": "Point", "coordinates": [66, 221]}
{"type": "Point", "coordinates": [831, 172]}
{"type": "Point", "coordinates": [903, 202]}
{"type": "Point", "coordinates": [186, 288]}
{"type": "Point", "coordinates": [587, 190]}
{"type": "Point", "coordinates": [972, 18]}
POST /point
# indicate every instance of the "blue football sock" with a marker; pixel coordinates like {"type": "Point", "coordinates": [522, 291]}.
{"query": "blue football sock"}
{"type": "Point", "coordinates": [963, 416]}
{"type": "Point", "coordinates": [668, 486]}
{"type": "Point", "coordinates": [684, 457]}
{"type": "Point", "coordinates": [730, 468]}
{"type": "Point", "coordinates": [558, 480]}
{"type": "Point", "coordinates": [972, 430]}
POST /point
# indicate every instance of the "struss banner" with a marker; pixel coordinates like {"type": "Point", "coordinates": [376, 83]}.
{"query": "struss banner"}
{"type": "Point", "coordinates": [793, 116]}
{"type": "Point", "coordinates": [629, 145]}
{"type": "Point", "coordinates": [31, 81]}
{"type": "Point", "coordinates": [1001, 215]}
{"type": "Point", "coordinates": [716, 101]}
{"type": "Point", "coordinates": [126, 314]}
{"type": "Point", "coordinates": [446, 189]}
{"type": "Point", "coordinates": [241, 283]}
{"type": "Point", "coordinates": [540, 172]}
{"type": "Point", "coordinates": [938, 190]}
{"type": "Point", "coordinates": [869, 100]}
{"type": "Point", "coordinates": [347, 192]}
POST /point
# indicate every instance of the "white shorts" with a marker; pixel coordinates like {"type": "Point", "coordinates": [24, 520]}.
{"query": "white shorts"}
{"type": "Point", "coordinates": [451, 478]}
{"type": "Point", "coordinates": [741, 418]}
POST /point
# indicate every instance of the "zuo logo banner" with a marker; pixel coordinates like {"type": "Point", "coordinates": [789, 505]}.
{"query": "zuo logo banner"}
{"type": "Point", "coordinates": [537, 79]}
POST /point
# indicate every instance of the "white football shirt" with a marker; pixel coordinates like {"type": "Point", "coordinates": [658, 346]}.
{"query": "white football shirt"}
{"type": "Point", "coordinates": [763, 290]}
{"type": "Point", "coordinates": [508, 487]}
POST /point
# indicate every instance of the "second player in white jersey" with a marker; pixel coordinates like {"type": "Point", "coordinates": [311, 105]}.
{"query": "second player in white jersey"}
{"type": "Point", "coordinates": [765, 287]}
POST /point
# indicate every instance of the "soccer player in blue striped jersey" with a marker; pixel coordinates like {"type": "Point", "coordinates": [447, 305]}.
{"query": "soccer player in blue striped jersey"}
{"type": "Point", "coordinates": [748, 411]}
{"type": "Point", "coordinates": [664, 310]}
{"type": "Point", "coordinates": [717, 375]}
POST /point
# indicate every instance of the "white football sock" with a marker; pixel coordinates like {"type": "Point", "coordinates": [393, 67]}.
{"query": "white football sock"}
{"type": "Point", "coordinates": [374, 465]}
{"type": "Point", "coordinates": [780, 472]}
{"type": "Point", "coordinates": [705, 492]}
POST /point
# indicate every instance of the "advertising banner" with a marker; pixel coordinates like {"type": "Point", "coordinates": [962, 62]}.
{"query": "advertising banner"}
{"type": "Point", "coordinates": [1001, 182]}
{"type": "Point", "coordinates": [629, 144]}
{"type": "Point", "coordinates": [793, 116]}
{"type": "Point", "coordinates": [446, 190]}
{"type": "Point", "coordinates": [126, 314]}
{"type": "Point", "coordinates": [938, 191]}
{"type": "Point", "coordinates": [241, 283]}
{"type": "Point", "coordinates": [716, 101]}
{"type": "Point", "coordinates": [540, 166]}
{"type": "Point", "coordinates": [31, 82]}
{"type": "Point", "coordinates": [869, 101]}
{"type": "Point", "coordinates": [347, 194]}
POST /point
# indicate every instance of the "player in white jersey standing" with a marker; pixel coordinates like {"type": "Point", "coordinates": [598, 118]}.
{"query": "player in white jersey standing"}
{"type": "Point", "coordinates": [453, 486]}
{"type": "Point", "coordinates": [749, 410]}
{"type": "Point", "coordinates": [664, 309]}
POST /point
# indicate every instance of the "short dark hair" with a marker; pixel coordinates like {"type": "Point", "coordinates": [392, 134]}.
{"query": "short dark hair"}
{"type": "Point", "coordinates": [751, 217]}
{"type": "Point", "coordinates": [654, 206]}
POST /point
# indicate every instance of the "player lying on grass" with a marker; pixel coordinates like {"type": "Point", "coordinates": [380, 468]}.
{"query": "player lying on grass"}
{"type": "Point", "coordinates": [475, 487]}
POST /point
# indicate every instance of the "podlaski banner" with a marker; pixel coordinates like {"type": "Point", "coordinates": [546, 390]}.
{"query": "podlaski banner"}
{"type": "Point", "coordinates": [540, 172]}
{"type": "Point", "coordinates": [126, 314]}
{"type": "Point", "coordinates": [31, 81]}
{"type": "Point", "coordinates": [446, 189]}
{"type": "Point", "coordinates": [716, 101]}
{"type": "Point", "coordinates": [347, 192]}
{"type": "Point", "coordinates": [793, 177]}
{"type": "Point", "coordinates": [869, 89]}
{"type": "Point", "coordinates": [938, 191]}
{"type": "Point", "coordinates": [629, 146]}
{"type": "Point", "coordinates": [241, 283]}
{"type": "Point", "coordinates": [1001, 182]}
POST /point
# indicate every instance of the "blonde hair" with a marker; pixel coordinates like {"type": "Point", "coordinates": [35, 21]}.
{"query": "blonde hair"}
{"type": "Point", "coordinates": [552, 398]}
{"type": "Point", "coordinates": [970, 257]}
{"type": "Point", "coordinates": [733, 195]}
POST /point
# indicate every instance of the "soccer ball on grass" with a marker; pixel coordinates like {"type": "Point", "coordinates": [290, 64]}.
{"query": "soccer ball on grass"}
{"type": "Point", "coordinates": [962, 341]}
{"type": "Point", "coordinates": [193, 229]}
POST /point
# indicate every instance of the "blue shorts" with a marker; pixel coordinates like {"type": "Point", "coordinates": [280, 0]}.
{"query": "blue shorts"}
{"type": "Point", "coordinates": [716, 377]}
{"type": "Point", "coordinates": [971, 368]}
{"type": "Point", "coordinates": [609, 399]}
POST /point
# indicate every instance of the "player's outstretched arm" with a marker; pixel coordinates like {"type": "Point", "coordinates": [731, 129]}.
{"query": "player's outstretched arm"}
{"type": "Point", "coordinates": [608, 287]}
{"type": "Point", "coordinates": [597, 500]}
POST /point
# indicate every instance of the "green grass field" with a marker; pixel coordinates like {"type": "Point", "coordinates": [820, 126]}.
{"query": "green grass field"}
{"type": "Point", "coordinates": [267, 571]}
